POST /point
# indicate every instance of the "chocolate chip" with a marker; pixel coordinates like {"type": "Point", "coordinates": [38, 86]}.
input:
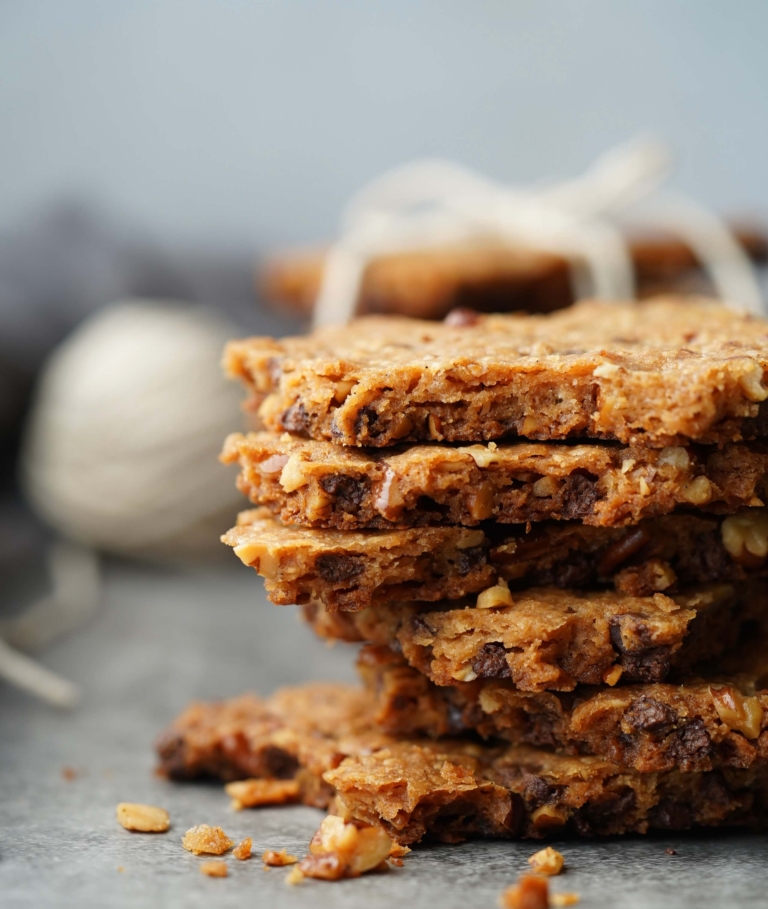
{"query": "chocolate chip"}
{"type": "Point", "coordinates": [491, 662]}
{"type": "Point", "coordinates": [579, 497]}
{"type": "Point", "coordinates": [537, 790]}
{"type": "Point", "coordinates": [295, 418]}
{"type": "Point", "coordinates": [692, 744]}
{"type": "Point", "coordinates": [470, 559]}
{"type": "Point", "coordinates": [348, 491]}
{"type": "Point", "coordinates": [610, 813]}
{"type": "Point", "coordinates": [577, 571]}
{"type": "Point", "coordinates": [462, 317]}
{"type": "Point", "coordinates": [335, 567]}
{"type": "Point", "coordinates": [279, 763]}
{"type": "Point", "coordinates": [172, 749]}
{"type": "Point", "coordinates": [365, 421]}
{"type": "Point", "coordinates": [649, 715]}
{"type": "Point", "coordinates": [651, 665]}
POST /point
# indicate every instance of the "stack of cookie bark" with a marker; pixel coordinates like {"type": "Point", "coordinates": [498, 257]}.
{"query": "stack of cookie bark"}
{"type": "Point", "coordinates": [548, 533]}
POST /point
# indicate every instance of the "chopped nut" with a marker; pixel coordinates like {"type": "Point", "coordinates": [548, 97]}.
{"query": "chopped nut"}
{"type": "Point", "coordinates": [465, 674]}
{"type": "Point", "coordinates": [398, 851]}
{"type": "Point", "coordinates": [751, 383]}
{"type": "Point", "coordinates": [564, 899]}
{"type": "Point", "coordinates": [482, 456]}
{"type": "Point", "coordinates": [627, 465]}
{"type": "Point", "coordinates": [698, 491]}
{"type": "Point", "coordinates": [645, 489]}
{"type": "Point", "coordinates": [340, 849]}
{"type": "Point", "coordinates": [481, 502]}
{"type": "Point", "coordinates": [278, 859]}
{"type": "Point", "coordinates": [252, 793]}
{"type": "Point", "coordinates": [670, 851]}
{"type": "Point", "coordinates": [205, 839]}
{"type": "Point", "coordinates": [605, 370]}
{"type": "Point", "coordinates": [258, 556]}
{"type": "Point", "coordinates": [342, 388]}
{"type": "Point", "coordinates": [294, 876]}
{"type": "Point", "coordinates": [548, 817]}
{"type": "Point", "coordinates": [495, 596]}
{"type": "Point", "coordinates": [611, 676]}
{"type": "Point", "coordinates": [143, 818]}
{"type": "Point", "coordinates": [471, 539]}
{"type": "Point", "coordinates": [545, 487]}
{"type": "Point", "coordinates": [547, 861]}
{"type": "Point", "coordinates": [745, 535]}
{"type": "Point", "coordinates": [292, 476]}
{"type": "Point", "coordinates": [214, 869]}
{"type": "Point", "coordinates": [676, 457]}
{"type": "Point", "coordinates": [531, 892]}
{"type": "Point", "coordinates": [435, 426]}
{"type": "Point", "coordinates": [742, 714]}
{"type": "Point", "coordinates": [530, 426]}
{"type": "Point", "coordinates": [401, 426]}
{"type": "Point", "coordinates": [243, 850]}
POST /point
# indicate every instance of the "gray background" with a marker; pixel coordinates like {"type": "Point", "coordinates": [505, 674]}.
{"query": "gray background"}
{"type": "Point", "coordinates": [248, 123]}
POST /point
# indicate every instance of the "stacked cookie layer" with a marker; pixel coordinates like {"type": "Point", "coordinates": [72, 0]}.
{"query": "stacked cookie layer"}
{"type": "Point", "coordinates": [549, 534]}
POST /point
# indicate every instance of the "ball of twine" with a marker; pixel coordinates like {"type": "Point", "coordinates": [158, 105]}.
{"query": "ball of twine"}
{"type": "Point", "coordinates": [122, 442]}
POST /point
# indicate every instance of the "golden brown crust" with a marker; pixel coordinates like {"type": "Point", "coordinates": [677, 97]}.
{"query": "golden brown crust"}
{"type": "Point", "coordinates": [553, 639]}
{"type": "Point", "coordinates": [450, 789]}
{"type": "Point", "coordinates": [644, 727]}
{"type": "Point", "coordinates": [357, 569]}
{"type": "Point", "coordinates": [320, 484]}
{"type": "Point", "coordinates": [655, 374]}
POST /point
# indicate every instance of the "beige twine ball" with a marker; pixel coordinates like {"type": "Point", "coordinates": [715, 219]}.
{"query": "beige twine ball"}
{"type": "Point", "coordinates": [122, 443]}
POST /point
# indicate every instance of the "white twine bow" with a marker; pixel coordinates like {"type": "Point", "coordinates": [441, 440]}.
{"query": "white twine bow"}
{"type": "Point", "coordinates": [433, 203]}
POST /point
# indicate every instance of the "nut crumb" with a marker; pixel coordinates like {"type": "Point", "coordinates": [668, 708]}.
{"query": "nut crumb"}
{"type": "Point", "coordinates": [398, 851]}
{"type": "Point", "coordinates": [278, 859]}
{"type": "Point", "coordinates": [397, 862]}
{"type": "Point", "coordinates": [564, 899]}
{"type": "Point", "coordinates": [143, 818]}
{"type": "Point", "coordinates": [670, 851]}
{"type": "Point", "coordinates": [120, 868]}
{"type": "Point", "coordinates": [530, 892]}
{"type": "Point", "coordinates": [243, 850]}
{"type": "Point", "coordinates": [253, 793]}
{"type": "Point", "coordinates": [208, 840]}
{"type": "Point", "coordinates": [340, 849]}
{"type": "Point", "coordinates": [214, 869]}
{"type": "Point", "coordinates": [69, 773]}
{"type": "Point", "coordinates": [294, 876]}
{"type": "Point", "coordinates": [547, 861]}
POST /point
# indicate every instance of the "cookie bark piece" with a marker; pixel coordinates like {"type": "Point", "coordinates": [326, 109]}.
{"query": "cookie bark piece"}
{"type": "Point", "coordinates": [655, 374]}
{"type": "Point", "coordinates": [357, 569]}
{"type": "Point", "coordinates": [320, 484]}
{"type": "Point", "coordinates": [487, 277]}
{"type": "Point", "coordinates": [555, 640]}
{"type": "Point", "coordinates": [648, 727]}
{"type": "Point", "coordinates": [449, 789]}
{"type": "Point", "coordinates": [296, 733]}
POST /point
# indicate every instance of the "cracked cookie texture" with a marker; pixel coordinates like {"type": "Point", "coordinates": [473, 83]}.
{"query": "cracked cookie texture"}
{"type": "Point", "coordinates": [355, 569]}
{"type": "Point", "coordinates": [450, 789]}
{"type": "Point", "coordinates": [655, 373]}
{"type": "Point", "coordinates": [324, 485]}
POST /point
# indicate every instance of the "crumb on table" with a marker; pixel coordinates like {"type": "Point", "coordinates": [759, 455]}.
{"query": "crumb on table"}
{"type": "Point", "coordinates": [277, 859]}
{"type": "Point", "coordinates": [214, 869]}
{"type": "Point", "coordinates": [205, 839]}
{"type": "Point", "coordinates": [143, 818]}
{"type": "Point", "coordinates": [253, 793]}
{"type": "Point", "coordinates": [243, 850]}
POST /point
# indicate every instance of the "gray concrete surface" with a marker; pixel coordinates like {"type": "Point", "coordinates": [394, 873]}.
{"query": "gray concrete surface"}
{"type": "Point", "coordinates": [164, 638]}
